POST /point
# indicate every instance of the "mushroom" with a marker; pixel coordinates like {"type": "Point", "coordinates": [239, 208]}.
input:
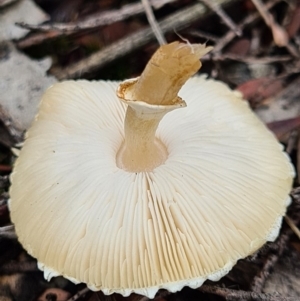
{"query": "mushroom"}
{"type": "Point", "coordinates": [136, 195]}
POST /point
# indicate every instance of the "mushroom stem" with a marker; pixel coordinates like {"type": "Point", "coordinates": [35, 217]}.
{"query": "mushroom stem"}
{"type": "Point", "coordinates": [149, 98]}
{"type": "Point", "coordinates": [141, 150]}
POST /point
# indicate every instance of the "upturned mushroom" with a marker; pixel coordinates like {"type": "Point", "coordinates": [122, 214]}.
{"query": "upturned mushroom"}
{"type": "Point", "coordinates": [166, 188]}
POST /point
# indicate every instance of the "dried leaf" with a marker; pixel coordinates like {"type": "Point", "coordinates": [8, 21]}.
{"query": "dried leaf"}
{"type": "Point", "coordinates": [240, 47]}
{"type": "Point", "coordinates": [294, 24]}
{"type": "Point", "coordinates": [282, 127]}
{"type": "Point", "coordinates": [256, 90]}
{"type": "Point", "coordinates": [284, 105]}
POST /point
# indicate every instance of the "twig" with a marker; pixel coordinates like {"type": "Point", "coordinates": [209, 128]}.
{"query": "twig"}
{"type": "Point", "coordinates": [96, 20]}
{"type": "Point", "coordinates": [259, 280]}
{"type": "Point", "coordinates": [230, 294]}
{"type": "Point", "coordinates": [38, 38]}
{"type": "Point", "coordinates": [79, 294]}
{"type": "Point", "coordinates": [4, 3]}
{"type": "Point", "coordinates": [292, 225]}
{"type": "Point", "coordinates": [55, 30]}
{"type": "Point", "coordinates": [280, 35]}
{"type": "Point", "coordinates": [275, 251]}
{"type": "Point", "coordinates": [249, 59]}
{"type": "Point", "coordinates": [292, 141]}
{"type": "Point", "coordinates": [295, 193]}
{"type": "Point", "coordinates": [178, 21]}
{"type": "Point", "coordinates": [153, 23]}
{"type": "Point", "coordinates": [8, 232]}
{"type": "Point", "coordinates": [220, 12]}
{"type": "Point", "coordinates": [202, 34]}
{"type": "Point", "coordinates": [227, 38]}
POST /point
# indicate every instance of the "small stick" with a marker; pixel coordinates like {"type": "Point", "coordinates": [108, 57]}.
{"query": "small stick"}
{"type": "Point", "coordinates": [152, 21]}
{"type": "Point", "coordinates": [295, 193]}
{"type": "Point", "coordinates": [79, 294]}
{"type": "Point", "coordinates": [96, 20]}
{"type": "Point", "coordinates": [250, 59]}
{"type": "Point", "coordinates": [260, 279]}
{"type": "Point", "coordinates": [280, 35]}
{"type": "Point", "coordinates": [292, 225]}
{"type": "Point", "coordinates": [277, 250]}
{"type": "Point", "coordinates": [221, 13]}
{"type": "Point", "coordinates": [227, 38]}
{"type": "Point", "coordinates": [4, 3]}
{"type": "Point", "coordinates": [202, 34]}
{"type": "Point", "coordinates": [8, 231]}
{"type": "Point", "coordinates": [292, 141]}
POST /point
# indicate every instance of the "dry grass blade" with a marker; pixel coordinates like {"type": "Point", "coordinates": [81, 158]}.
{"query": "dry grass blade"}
{"type": "Point", "coordinates": [8, 232]}
{"type": "Point", "coordinates": [153, 23]}
{"type": "Point", "coordinates": [4, 3]}
{"type": "Point", "coordinates": [205, 35]}
{"type": "Point", "coordinates": [220, 12]}
{"type": "Point", "coordinates": [79, 294]}
{"type": "Point", "coordinates": [292, 225]}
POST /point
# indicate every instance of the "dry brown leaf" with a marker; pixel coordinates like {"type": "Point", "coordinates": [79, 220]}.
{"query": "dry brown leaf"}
{"type": "Point", "coordinates": [282, 127]}
{"type": "Point", "coordinates": [284, 105]}
{"type": "Point", "coordinates": [256, 90]}
{"type": "Point", "coordinates": [294, 25]}
{"type": "Point", "coordinates": [240, 47]}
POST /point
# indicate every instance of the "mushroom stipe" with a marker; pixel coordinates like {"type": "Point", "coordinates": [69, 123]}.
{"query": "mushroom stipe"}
{"type": "Point", "coordinates": [165, 188]}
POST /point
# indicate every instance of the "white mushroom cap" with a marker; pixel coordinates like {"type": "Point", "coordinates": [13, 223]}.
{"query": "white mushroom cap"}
{"type": "Point", "coordinates": [219, 196]}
